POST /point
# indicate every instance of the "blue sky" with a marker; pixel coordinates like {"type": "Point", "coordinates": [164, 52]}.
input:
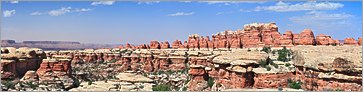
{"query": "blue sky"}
{"type": "Point", "coordinates": [139, 22]}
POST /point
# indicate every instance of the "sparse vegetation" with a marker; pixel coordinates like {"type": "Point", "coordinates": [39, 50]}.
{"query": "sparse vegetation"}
{"type": "Point", "coordinates": [8, 84]}
{"type": "Point", "coordinates": [170, 72]}
{"type": "Point", "coordinates": [266, 49]}
{"type": "Point", "coordinates": [283, 53]}
{"type": "Point", "coordinates": [161, 87]}
{"type": "Point", "coordinates": [268, 68]}
{"type": "Point", "coordinates": [294, 84]}
{"type": "Point", "coordinates": [113, 61]}
{"type": "Point", "coordinates": [31, 85]}
{"type": "Point", "coordinates": [287, 64]}
{"type": "Point", "coordinates": [263, 63]}
{"type": "Point", "coordinates": [274, 64]}
{"type": "Point", "coordinates": [210, 82]}
{"type": "Point", "coordinates": [89, 82]}
{"type": "Point", "coordinates": [160, 72]}
{"type": "Point", "coordinates": [249, 50]}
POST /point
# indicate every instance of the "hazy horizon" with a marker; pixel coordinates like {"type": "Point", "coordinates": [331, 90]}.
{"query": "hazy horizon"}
{"type": "Point", "coordinates": [110, 22]}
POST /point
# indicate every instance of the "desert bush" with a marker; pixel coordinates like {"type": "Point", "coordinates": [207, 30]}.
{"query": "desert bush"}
{"type": "Point", "coordinates": [31, 85]}
{"type": "Point", "coordinates": [268, 68]}
{"type": "Point", "coordinates": [275, 65]}
{"type": "Point", "coordinates": [89, 82]}
{"type": "Point", "coordinates": [263, 63]}
{"type": "Point", "coordinates": [266, 49]}
{"type": "Point", "coordinates": [294, 84]}
{"type": "Point", "coordinates": [210, 82]}
{"type": "Point", "coordinates": [170, 72]}
{"type": "Point", "coordinates": [8, 84]}
{"type": "Point", "coordinates": [283, 53]}
{"type": "Point", "coordinates": [287, 64]}
{"type": "Point", "coordinates": [160, 72]}
{"type": "Point", "coordinates": [161, 87]}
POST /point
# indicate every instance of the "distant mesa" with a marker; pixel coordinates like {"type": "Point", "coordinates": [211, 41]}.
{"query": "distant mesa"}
{"type": "Point", "coordinates": [252, 35]}
{"type": "Point", "coordinates": [54, 45]}
{"type": "Point", "coordinates": [50, 42]}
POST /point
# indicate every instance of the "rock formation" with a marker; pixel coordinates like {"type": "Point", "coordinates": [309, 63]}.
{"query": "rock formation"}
{"type": "Point", "coordinates": [323, 39]}
{"type": "Point", "coordinates": [350, 41]}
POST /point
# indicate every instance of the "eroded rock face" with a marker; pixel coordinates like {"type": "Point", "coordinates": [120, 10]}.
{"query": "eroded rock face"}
{"type": "Point", "coordinates": [203, 42]}
{"type": "Point", "coordinates": [323, 39]}
{"type": "Point", "coordinates": [193, 41]}
{"type": "Point", "coordinates": [18, 61]}
{"type": "Point", "coordinates": [306, 37]}
{"type": "Point", "coordinates": [177, 44]}
{"type": "Point", "coordinates": [165, 45]}
{"type": "Point", "coordinates": [342, 63]}
{"type": "Point", "coordinates": [154, 45]}
{"type": "Point", "coordinates": [271, 80]}
{"type": "Point", "coordinates": [285, 40]}
{"type": "Point", "coordinates": [350, 41]}
{"type": "Point", "coordinates": [359, 41]}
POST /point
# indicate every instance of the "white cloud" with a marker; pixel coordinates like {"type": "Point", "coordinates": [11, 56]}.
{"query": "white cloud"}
{"type": "Point", "coordinates": [62, 11]}
{"type": "Point", "coordinates": [219, 13]}
{"type": "Point", "coordinates": [148, 2]}
{"type": "Point", "coordinates": [186, 1]}
{"type": "Point", "coordinates": [244, 10]}
{"type": "Point", "coordinates": [9, 13]}
{"type": "Point", "coordinates": [82, 10]}
{"type": "Point", "coordinates": [14, 2]}
{"type": "Point", "coordinates": [103, 3]}
{"type": "Point", "coordinates": [36, 13]}
{"type": "Point", "coordinates": [231, 2]}
{"type": "Point", "coordinates": [181, 14]}
{"type": "Point", "coordinates": [310, 5]}
{"type": "Point", "coordinates": [322, 20]}
{"type": "Point", "coordinates": [316, 16]}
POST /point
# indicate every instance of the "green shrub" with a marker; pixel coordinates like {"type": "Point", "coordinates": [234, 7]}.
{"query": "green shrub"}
{"type": "Point", "coordinates": [31, 85]}
{"type": "Point", "coordinates": [263, 63]}
{"type": "Point", "coordinates": [113, 61]}
{"type": "Point", "coordinates": [161, 87]}
{"type": "Point", "coordinates": [184, 89]}
{"type": "Point", "coordinates": [160, 72]}
{"type": "Point", "coordinates": [89, 82]}
{"type": "Point", "coordinates": [283, 53]}
{"type": "Point", "coordinates": [294, 84]}
{"type": "Point", "coordinates": [266, 49]}
{"type": "Point", "coordinates": [248, 50]}
{"type": "Point", "coordinates": [210, 82]}
{"type": "Point", "coordinates": [268, 68]}
{"type": "Point", "coordinates": [275, 65]}
{"type": "Point", "coordinates": [287, 64]}
{"type": "Point", "coordinates": [170, 72]}
{"type": "Point", "coordinates": [8, 84]}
